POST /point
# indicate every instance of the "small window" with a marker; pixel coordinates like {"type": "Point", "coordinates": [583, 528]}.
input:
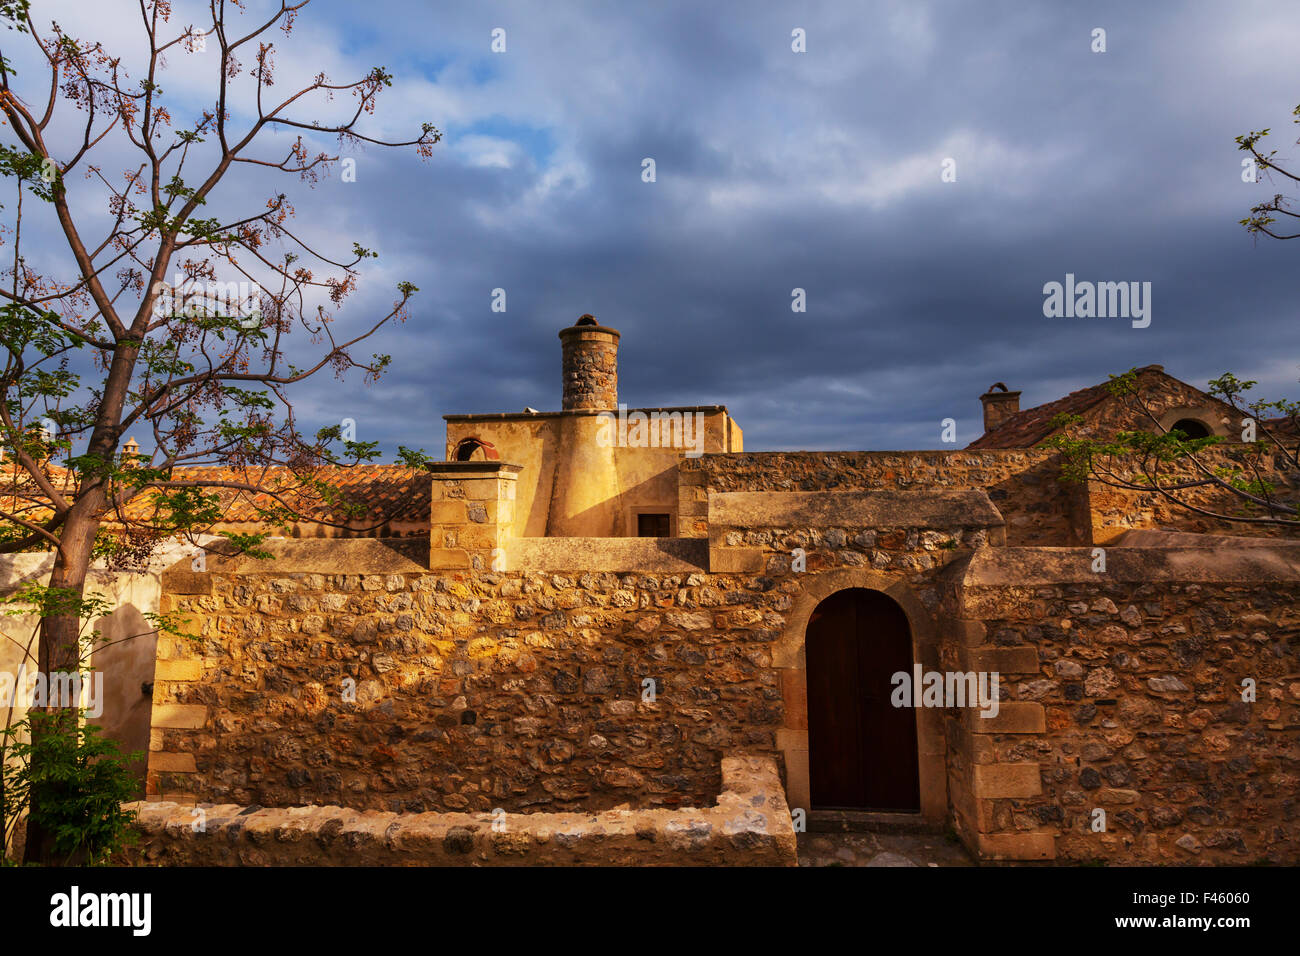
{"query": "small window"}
{"type": "Point", "coordinates": [1191, 428]}
{"type": "Point", "coordinates": [652, 526]}
{"type": "Point", "coordinates": [476, 449]}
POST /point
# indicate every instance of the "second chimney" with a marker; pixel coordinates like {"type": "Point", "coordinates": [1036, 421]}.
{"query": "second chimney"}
{"type": "Point", "coordinates": [590, 365]}
{"type": "Point", "coordinates": [999, 405]}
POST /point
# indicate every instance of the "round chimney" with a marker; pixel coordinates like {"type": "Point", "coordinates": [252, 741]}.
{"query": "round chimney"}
{"type": "Point", "coordinates": [590, 365]}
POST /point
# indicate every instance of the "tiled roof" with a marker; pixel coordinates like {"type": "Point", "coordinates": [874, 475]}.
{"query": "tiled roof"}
{"type": "Point", "coordinates": [1034, 425]}
{"type": "Point", "coordinates": [1283, 427]}
{"type": "Point", "coordinates": [19, 495]}
{"type": "Point", "coordinates": [1031, 426]}
{"type": "Point", "coordinates": [383, 493]}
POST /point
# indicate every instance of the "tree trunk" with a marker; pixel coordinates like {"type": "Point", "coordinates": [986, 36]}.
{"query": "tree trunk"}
{"type": "Point", "coordinates": [59, 650]}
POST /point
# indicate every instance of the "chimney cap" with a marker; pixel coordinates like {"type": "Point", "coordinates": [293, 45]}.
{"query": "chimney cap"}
{"type": "Point", "coordinates": [586, 325]}
{"type": "Point", "coordinates": [999, 390]}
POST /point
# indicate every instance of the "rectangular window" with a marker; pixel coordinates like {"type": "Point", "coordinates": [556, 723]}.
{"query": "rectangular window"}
{"type": "Point", "coordinates": [652, 526]}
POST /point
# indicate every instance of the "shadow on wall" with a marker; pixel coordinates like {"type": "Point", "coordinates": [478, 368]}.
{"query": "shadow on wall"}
{"type": "Point", "coordinates": [125, 656]}
{"type": "Point", "coordinates": [615, 516]}
{"type": "Point", "coordinates": [1041, 509]}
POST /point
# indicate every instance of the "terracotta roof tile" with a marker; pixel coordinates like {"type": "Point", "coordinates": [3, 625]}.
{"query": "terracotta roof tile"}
{"type": "Point", "coordinates": [382, 493]}
{"type": "Point", "coordinates": [1033, 425]}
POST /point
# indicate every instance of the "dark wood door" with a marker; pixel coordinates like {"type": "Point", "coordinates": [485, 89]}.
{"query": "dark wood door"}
{"type": "Point", "coordinates": [861, 749]}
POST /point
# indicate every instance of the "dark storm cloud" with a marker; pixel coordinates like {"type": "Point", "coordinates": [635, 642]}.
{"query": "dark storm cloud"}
{"type": "Point", "coordinates": [820, 171]}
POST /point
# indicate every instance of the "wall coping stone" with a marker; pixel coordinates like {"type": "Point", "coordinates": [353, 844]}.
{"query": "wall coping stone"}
{"type": "Point", "coordinates": [1028, 567]}
{"type": "Point", "coordinates": [617, 555]}
{"type": "Point", "coordinates": [750, 825]}
{"type": "Point", "coordinates": [326, 556]}
{"type": "Point", "coordinates": [881, 509]}
{"type": "Point", "coordinates": [1157, 538]}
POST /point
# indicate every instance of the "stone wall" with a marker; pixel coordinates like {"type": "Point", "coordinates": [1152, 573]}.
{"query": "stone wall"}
{"type": "Point", "coordinates": [529, 690]}
{"type": "Point", "coordinates": [1122, 691]}
{"type": "Point", "coordinates": [1024, 485]}
{"type": "Point", "coordinates": [473, 690]}
{"type": "Point", "coordinates": [1114, 511]}
{"type": "Point", "coordinates": [515, 689]}
{"type": "Point", "coordinates": [750, 826]}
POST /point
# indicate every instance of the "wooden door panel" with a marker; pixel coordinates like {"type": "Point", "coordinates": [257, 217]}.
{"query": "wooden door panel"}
{"type": "Point", "coordinates": [862, 750]}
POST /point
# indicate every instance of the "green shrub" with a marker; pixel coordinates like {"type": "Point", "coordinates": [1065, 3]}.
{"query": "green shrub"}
{"type": "Point", "coordinates": [71, 781]}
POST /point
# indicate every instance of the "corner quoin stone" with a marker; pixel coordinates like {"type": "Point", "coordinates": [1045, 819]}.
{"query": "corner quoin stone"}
{"type": "Point", "coordinates": [180, 716]}
{"type": "Point", "coordinates": [993, 780]}
{"type": "Point", "coordinates": [1017, 846]}
{"type": "Point", "coordinates": [1013, 717]}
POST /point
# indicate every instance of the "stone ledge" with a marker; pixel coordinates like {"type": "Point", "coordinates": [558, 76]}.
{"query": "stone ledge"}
{"type": "Point", "coordinates": [1034, 845]}
{"type": "Point", "coordinates": [749, 826]}
{"type": "Point", "coordinates": [324, 556]}
{"type": "Point", "coordinates": [844, 509]}
{"type": "Point", "coordinates": [618, 555]}
{"type": "Point", "coordinates": [1031, 567]}
{"type": "Point", "coordinates": [1155, 538]}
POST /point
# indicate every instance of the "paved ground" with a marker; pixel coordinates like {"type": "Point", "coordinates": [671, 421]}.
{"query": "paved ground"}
{"type": "Point", "coordinates": [880, 849]}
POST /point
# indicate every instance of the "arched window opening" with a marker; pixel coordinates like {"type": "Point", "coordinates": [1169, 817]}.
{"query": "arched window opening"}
{"type": "Point", "coordinates": [475, 449]}
{"type": "Point", "coordinates": [1191, 428]}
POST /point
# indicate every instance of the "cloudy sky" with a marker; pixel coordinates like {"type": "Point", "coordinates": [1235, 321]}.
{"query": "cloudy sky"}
{"type": "Point", "coordinates": [777, 170]}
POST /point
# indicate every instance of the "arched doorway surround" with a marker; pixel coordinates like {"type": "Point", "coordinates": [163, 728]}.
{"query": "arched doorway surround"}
{"type": "Point", "coordinates": [862, 750]}
{"type": "Point", "coordinates": [790, 659]}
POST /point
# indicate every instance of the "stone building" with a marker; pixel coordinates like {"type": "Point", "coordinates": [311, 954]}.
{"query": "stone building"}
{"type": "Point", "coordinates": [610, 603]}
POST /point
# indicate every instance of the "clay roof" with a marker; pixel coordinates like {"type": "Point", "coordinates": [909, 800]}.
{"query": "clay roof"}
{"type": "Point", "coordinates": [1029, 427]}
{"type": "Point", "coordinates": [380, 492]}
{"type": "Point", "coordinates": [1033, 425]}
{"type": "Point", "coordinates": [21, 496]}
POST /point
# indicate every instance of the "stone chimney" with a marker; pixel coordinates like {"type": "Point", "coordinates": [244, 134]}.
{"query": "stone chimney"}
{"type": "Point", "coordinates": [590, 365]}
{"type": "Point", "coordinates": [129, 451]}
{"type": "Point", "coordinates": [999, 405]}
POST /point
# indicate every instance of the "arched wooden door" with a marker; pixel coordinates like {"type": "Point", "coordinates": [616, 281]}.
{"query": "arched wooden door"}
{"type": "Point", "coordinates": [862, 751]}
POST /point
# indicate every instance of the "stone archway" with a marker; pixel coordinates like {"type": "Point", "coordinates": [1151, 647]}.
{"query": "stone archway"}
{"type": "Point", "coordinates": [791, 663]}
{"type": "Point", "coordinates": [1207, 416]}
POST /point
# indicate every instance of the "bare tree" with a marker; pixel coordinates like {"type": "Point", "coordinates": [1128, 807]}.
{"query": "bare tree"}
{"type": "Point", "coordinates": [104, 343]}
{"type": "Point", "coordinates": [1209, 476]}
{"type": "Point", "coordinates": [1262, 218]}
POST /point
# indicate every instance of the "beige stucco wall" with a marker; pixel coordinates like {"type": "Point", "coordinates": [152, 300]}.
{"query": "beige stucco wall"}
{"type": "Point", "coordinates": [16, 638]}
{"type": "Point", "coordinates": [125, 646]}
{"type": "Point", "coordinates": [533, 443]}
{"type": "Point", "coordinates": [572, 486]}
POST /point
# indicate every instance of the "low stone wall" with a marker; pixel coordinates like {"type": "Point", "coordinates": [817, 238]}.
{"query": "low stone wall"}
{"type": "Point", "coordinates": [1023, 484]}
{"type": "Point", "coordinates": [1161, 691]}
{"type": "Point", "coordinates": [462, 692]}
{"type": "Point", "coordinates": [757, 531]}
{"type": "Point", "coordinates": [749, 826]}
{"type": "Point", "coordinates": [1114, 511]}
{"type": "Point", "coordinates": [659, 555]}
